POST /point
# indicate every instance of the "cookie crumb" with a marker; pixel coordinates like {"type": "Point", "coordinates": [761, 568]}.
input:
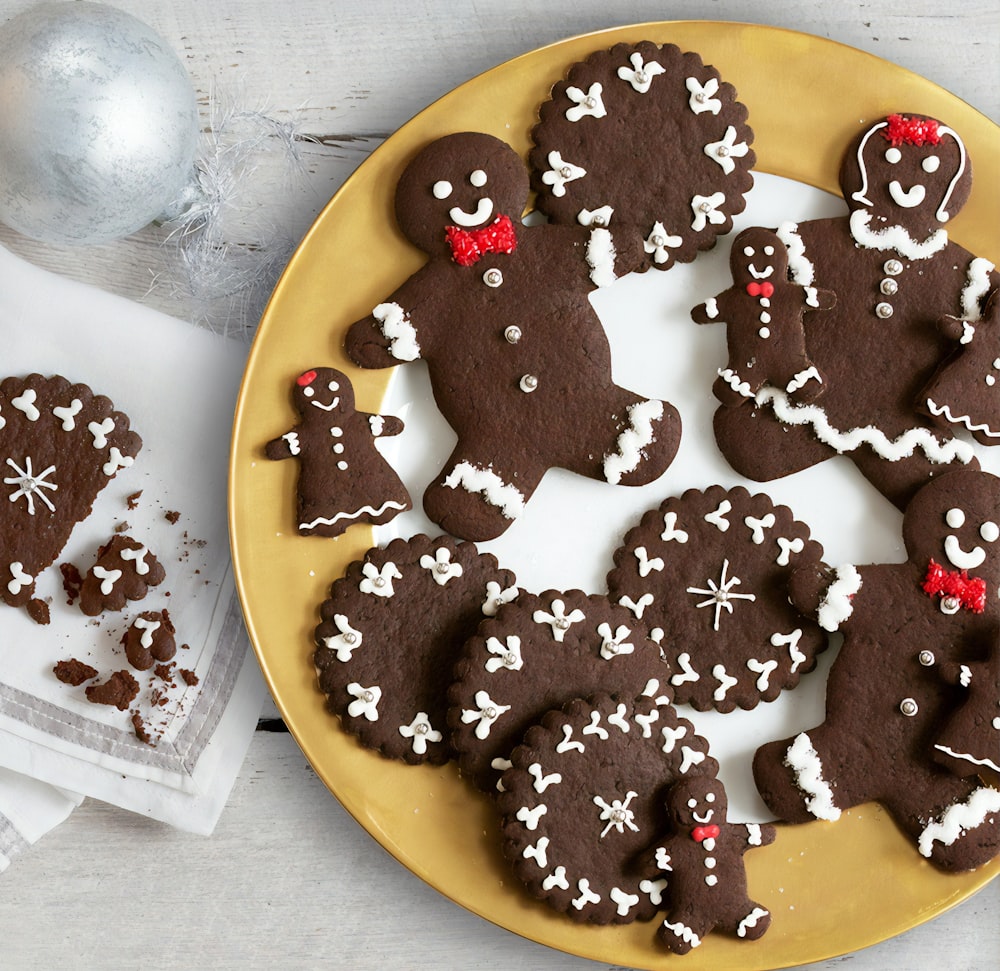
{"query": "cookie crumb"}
{"type": "Point", "coordinates": [38, 611]}
{"type": "Point", "coordinates": [74, 672]}
{"type": "Point", "coordinates": [171, 516]}
{"type": "Point", "coordinates": [119, 690]}
{"type": "Point", "coordinates": [190, 678]}
{"type": "Point", "coordinates": [140, 729]}
{"type": "Point", "coordinates": [72, 581]}
{"type": "Point", "coordinates": [133, 500]}
{"type": "Point", "coordinates": [121, 527]}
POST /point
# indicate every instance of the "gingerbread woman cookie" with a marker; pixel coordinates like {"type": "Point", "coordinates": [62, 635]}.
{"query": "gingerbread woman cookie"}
{"type": "Point", "coordinates": [343, 479]}
{"type": "Point", "coordinates": [706, 882]}
{"type": "Point", "coordinates": [61, 445]}
{"type": "Point", "coordinates": [903, 623]}
{"type": "Point", "coordinates": [763, 312]}
{"type": "Point", "coordinates": [649, 141]}
{"type": "Point", "coordinates": [895, 273]}
{"type": "Point", "coordinates": [519, 363]}
{"type": "Point", "coordinates": [124, 570]}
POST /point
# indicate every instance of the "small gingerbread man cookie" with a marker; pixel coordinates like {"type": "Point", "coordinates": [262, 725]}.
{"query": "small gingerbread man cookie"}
{"type": "Point", "coordinates": [343, 479]}
{"type": "Point", "coordinates": [706, 883]}
{"type": "Point", "coordinates": [763, 312]}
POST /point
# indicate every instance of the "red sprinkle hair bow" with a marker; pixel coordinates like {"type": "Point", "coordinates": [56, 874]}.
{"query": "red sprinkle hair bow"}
{"type": "Point", "coordinates": [901, 130]}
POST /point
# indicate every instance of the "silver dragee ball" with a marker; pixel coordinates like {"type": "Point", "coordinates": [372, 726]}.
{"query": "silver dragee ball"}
{"type": "Point", "coordinates": [98, 123]}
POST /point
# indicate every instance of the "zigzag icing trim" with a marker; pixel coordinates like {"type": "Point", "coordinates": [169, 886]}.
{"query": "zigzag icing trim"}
{"type": "Point", "coordinates": [944, 411]}
{"type": "Point", "coordinates": [371, 510]}
{"type": "Point", "coordinates": [633, 440]}
{"type": "Point", "coordinates": [976, 287]}
{"type": "Point", "coordinates": [395, 325]}
{"type": "Point", "coordinates": [506, 497]}
{"type": "Point", "coordinates": [836, 606]}
{"type": "Point", "coordinates": [895, 238]}
{"type": "Point", "coordinates": [958, 819]}
{"type": "Point", "coordinates": [804, 760]}
{"type": "Point", "coordinates": [601, 257]}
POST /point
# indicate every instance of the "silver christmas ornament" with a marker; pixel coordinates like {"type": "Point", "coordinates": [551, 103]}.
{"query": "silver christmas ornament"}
{"type": "Point", "coordinates": [98, 124]}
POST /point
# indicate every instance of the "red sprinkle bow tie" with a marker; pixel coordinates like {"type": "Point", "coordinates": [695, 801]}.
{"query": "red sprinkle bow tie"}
{"type": "Point", "coordinates": [700, 833]}
{"type": "Point", "coordinates": [760, 289]}
{"type": "Point", "coordinates": [468, 245]}
{"type": "Point", "coordinates": [970, 592]}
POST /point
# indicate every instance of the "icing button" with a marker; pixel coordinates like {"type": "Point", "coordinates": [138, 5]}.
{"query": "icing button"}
{"type": "Point", "coordinates": [379, 581]}
{"type": "Point", "coordinates": [950, 605]}
{"type": "Point", "coordinates": [490, 713]}
{"type": "Point", "coordinates": [368, 696]}
{"type": "Point", "coordinates": [722, 151]}
{"type": "Point", "coordinates": [528, 383]}
{"type": "Point", "coordinates": [493, 277]}
{"type": "Point", "coordinates": [350, 638]}
{"type": "Point", "coordinates": [889, 286]}
{"type": "Point", "coordinates": [562, 623]}
{"type": "Point", "coordinates": [883, 310]}
{"type": "Point", "coordinates": [893, 267]}
{"type": "Point", "coordinates": [908, 707]}
{"type": "Point", "coordinates": [512, 334]}
{"type": "Point", "coordinates": [422, 728]}
{"type": "Point", "coordinates": [926, 658]}
{"type": "Point", "coordinates": [565, 171]}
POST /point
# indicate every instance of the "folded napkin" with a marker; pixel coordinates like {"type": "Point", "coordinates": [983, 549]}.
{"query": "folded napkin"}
{"type": "Point", "coordinates": [178, 385]}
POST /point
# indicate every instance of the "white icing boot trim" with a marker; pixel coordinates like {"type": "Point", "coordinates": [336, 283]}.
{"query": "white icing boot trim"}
{"type": "Point", "coordinates": [943, 410]}
{"type": "Point", "coordinates": [601, 257]}
{"type": "Point", "coordinates": [836, 606]}
{"type": "Point", "coordinates": [895, 238]}
{"type": "Point", "coordinates": [958, 819]}
{"type": "Point", "coordinates": [733, 380]}
{"type": "Point", "coordinates": [804, 760]}
{"type": "Point", "coordinates": [890, 449]}
{"type": "Point", "coordinates": [633, 440]}
{"type": "Point", "coordinates": [751, 920]}
{"type": "Point", "coordinates": [976, 288]}
{"type": "Point", "coordinates": [683, 932]}
{"type": "Point", "coordinates": [506, 497]}
{"type": "Point", "coordinates": [396, 328]}
{"type": "Point", "coordinates": [802, 379]}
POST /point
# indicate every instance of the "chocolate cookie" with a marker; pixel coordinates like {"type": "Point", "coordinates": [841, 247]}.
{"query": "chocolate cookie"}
{"type": "Point", "coordinates": [706, 576]}
{"type": "Point", "coordinates": [649, 141]}
{"type": "Point", "coordinates": [124, 570]}
{"type": "Point", "coordinates": [391, 630]}
{"type": "Point", "coordinates": [61, 445]}
{"type": "Point", "coordinates": [149, 638]}
{"type": "Point", "coordinates": [584, 802]}
{"type": "Point", "coordinates": [536, 654]}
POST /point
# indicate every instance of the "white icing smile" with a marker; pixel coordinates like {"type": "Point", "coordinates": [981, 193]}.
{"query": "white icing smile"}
{"type": "Point", "coordinates": [907, 198]}
{"type": "Point", "coordinates": [706, 818]}
{"type": "Point", "coordinates": [319, 404]}
{"type": "Point", "coordinates": [760, 274]}
{"type": "Point", "coordinates": [482, 212]}
{"type": "Point", "coordinates": [959, 558]}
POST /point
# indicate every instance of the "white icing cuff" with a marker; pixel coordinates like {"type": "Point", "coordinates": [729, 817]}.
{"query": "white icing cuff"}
{"type": "Point", "coordinates": [733, 380]}
{"type": "Point", "coordinates": [958, 819]}
{"type": "Point", "coordinates": [976, 287]}
{"type": "Point", "coordinates": [633, 440]}
{"type": "Point", "coordinates": [801, 267]}
{"type": "Point", "coordinates": [802, 379]}
{"type": "Point", "coordinates": [804, 760]}
{"type": "Point", "coordinates": [601, 257]}
{"type": "Point", "coordinates": [895, 238]}
{"type": "Point", "coordinates": [837, 606]}
{"type": "Point", "coordinates": [396, 328]}
{"type": "Point", "coordinates": [506, 497]}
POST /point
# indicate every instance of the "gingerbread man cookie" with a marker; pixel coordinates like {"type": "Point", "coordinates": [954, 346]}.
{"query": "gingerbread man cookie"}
{"type": "Point", "coordinates": [649, 141]}
{"type": "Point", "coordinates": [124, 570]}
{"type": "Point", "coordinates": [343, 479]}
{"type": "Point", "coordinates": [584, 800]}
{"type": "Point", "coordinates": [903, 623]}
{"type": "Point", "coordinates": [706, 883]}
{"type": "Point", "coordinates": [61, 445]}
{"type": "Point", "coordinates": [519, 363]}
{"type": "Point", "coordinates": [763, 311]}
{"type": "Point", "coordinates": [895, 273]}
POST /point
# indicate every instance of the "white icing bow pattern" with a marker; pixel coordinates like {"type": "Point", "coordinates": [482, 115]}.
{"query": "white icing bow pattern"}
{"type": "Point", "coordinates": [558, 620]}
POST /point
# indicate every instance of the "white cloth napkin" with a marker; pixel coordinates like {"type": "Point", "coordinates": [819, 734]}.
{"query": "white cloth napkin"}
{"type": "Point", "coordinates": [178, 385]}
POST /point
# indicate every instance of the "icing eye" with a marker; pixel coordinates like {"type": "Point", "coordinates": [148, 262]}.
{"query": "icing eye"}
{"type": "Point", "coordinates": [893, 155]}
{"type": "Point", "coordinates": [478, 178]}
{"type": "Point", "coordinates": [308, 392]}
{"type": "Point", "coordinates": [441, 189]}
{"type": "Point", "coordinates": [710, 797]}
{"type": "Point", "coordinates": [990, 532]}
{"type": "Point", "coordinates": [931, 164]}
{"type": "Point", "coordinates": [692, 803]}
{"type": "Point", "coordinates": [955, 518]}
{"type": "Point", "coordinates": [748, 251]}
{"type": "Point", "coordinates": [333, 386]}
{"type": "Point", "coordinates": [769, 251]}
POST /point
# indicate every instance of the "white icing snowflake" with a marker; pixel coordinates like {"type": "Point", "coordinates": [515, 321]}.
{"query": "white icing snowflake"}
{"type": "Point", "coordinates": [599, 217]}
{"type": "Point", "coordinates": [365, 701]}
{"type": "Point", "coordinates": [585, 103]}
{"type": "Point", "coordinates": [558, 620]}
{"type": "Point", "coordinates": [421, 732]}
{"type": "Point", "coordinates": [347, 641]}
{"type": "Point", "coordinates": [440, 566]}
{"type": "Point", "coordinates": [617, 814]}
{"type": "Point", "coordinates": [561, 172]}
{"type": "Point", "coordinates": [30, 485]}
{"type": "Point", "coordinates": [706, 210]}
{"type": "Point", "coordinates": [720, 595]}
{"type": "Point", "coordinates": [379, 582]}
{"type": "Point", "coordinates": [726, 150]}
{"type": "Point", "coordinates": [702, 95]}
{"type": "Point", "coordinates": [497, 597]}
{"type": "Point", "coordinates": [659, 243]}
{"type": "Point", "coordinates": [614, 644]}
{"type": "Point", "coordinates": [640, 75]}
{"type": "Point", "coordinates": [485, 715]}
{"type": "Point", "coordinates": [507, 656]}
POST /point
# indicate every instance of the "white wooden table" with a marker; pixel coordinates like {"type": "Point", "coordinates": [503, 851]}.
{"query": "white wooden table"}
{"type": "Point", "coordinates": [289, 880]}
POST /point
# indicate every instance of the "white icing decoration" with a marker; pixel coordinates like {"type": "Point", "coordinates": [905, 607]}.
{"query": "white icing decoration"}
{"type": "Point", "coordinates": [754, 834]}
{"type": "Point", "coordinates": [601, 256]}
{"type": "Point", "coordinates": [663, 860]}
{"type": "Point", "coordinates": [895, 238]}
{"type": "Point", "coordinates": [625, 901]}
{"type": "Point", "coordinates": [725, 682]}
{"type": "Point", "coordinates": [560, 172]}
{"type": "Point", "coordinates": [847, 441]}
{"type": "Point", "coordinates": [420, 732]}
{"type": "Point", "coordinates": [440, 566]}
{"type": "Point", "coordinates": [647, 565]}
{"type": "Point", "coordinates": [764, 669]}
{"type": "Point", "coordinates": [595, 217]}
{"type": "Point", "coordinates": [557, 878]}
{"type": "Point", "coordinates": [587, 896]}
{"type": "Point", "coordinates": [958, 819]}
{"type": "Point", "coordinates": [530, 817]}
{"type": "Point", "coordinates": [614, 644]}
{"type": "Point", "coordinates": [717, 517]}
{"type": "Point", "coordinates": [966, 757]}
{"type": "Point", "coordinates": [537, 852]}
{"type": "Point", "coordinates": [116, 461]}
{"type": "Point", "coordinates": [496, 598]}
{"type": "Point", "coordinates": [645, 722]}
{"type": "Point", "coordinates": [711, 880]}
{"type": "Point", "coordinates": [478, 216]}
{"type": "Point", "coordinates": [964, 560]}
{"type": "Point", "coordinates": [804, 761]}
{"type": "Point", "coordinates": [25, 403]}
{"type": "Point", "coordinates": [976, 287]}
{"type": "Point", "coordinates": [618, 719]}
{"type": "Point", "coordinates": [377, 424]}
{"type": "Point", "coordinates": [637, 607]}
{"type": "Point", "coordinates": [19, 578]}
{"type": "Point", "coordinates": [683, 932]}
{"type": "Point", "coordinates": [397, 329]}
{"type": "Point", "coordinates": [791, 641]}
{"type": "Point", "coordinates": [946, 412]}
{"type": "Point", "coordinates": [726, 150]}
{"type": "Point", "coordinates": [558, 620]}
{"type": "Point", "coordinates": [616, 814]}
{"type": "Point", "coordinates": [542, 781]}
{"type": "Point", "coordinates": [659, 243]}
{"type": "Point", "coordinates": [587, 103]}
{"type": "Point", "coordinates": [751, 920]}
{"type": "Point", "coordinates": [507, 498]}
{"type": "Point", "coordinates": [788, 547]}
{"type": "Point", "coordinates": [757, 527]}
{"type": "Point", "coordinates": [485, 715]}
{"type": "Point", "coordinates": [955, 518]}
{"type": "Point", "coordinates": [139, 556]}
{"type": "Point", "coordinates": [378, 582]}
{"type": "Point", "coordinates": [802, 378]}
{"type": "Point", "coordinates": [478, 178]}
{"type": "Point", "coordinates": [702, 95]}
{"type": "Point", "coordinates": [720, 594]}
{"type": "Point", "coordinates": [30, 485]}
{"type": "Point", "coordinates": [836, 606]}
{"type": "Point", "coordinates": [706, 210]}
{"type": "Point", "coordinates": [633, 440]}
{"type": "Point", "coordinates": [365, 701]}
{"type": "Point", "coordinates": [734, 381]}
{"type": "Point", "coordinates": [594, 728]}
{"type": "Point", "coordinates": [507, 656]}
{"type": "Point", "coordinates": [670, 530]}
{"type": "Point", "coordinates": [108, 578]}
{"type": "Point", "coordinates": [148, 628]}
{"type": "Point", "coordinates": [569, 744]}
{"type": "Point", "coordinates": [671, 736]}
{"type": "Point", "coordinates": [654, 890]}
{"type": "Point", "coordinates": [347, 641]}
{"type": "Point", "coordinates": [441, 189]}
{"type": "Point", "coordinates": [292, 440]}
{"type": "Point", "coordinates": [690, 758]}
{"type": "Point", "coordinates": [501, 766]}
{"type": "Point", "coordinates": [640, 75]}
{"type": "Point", "coordinates": [687, 672]}
{"type": "Point", "coordinates": [100, 431]}
{"type": "Point", "coordinates": [907, 198]}
{"type": "Point", "coordinates": [370, 510]}
{"type": "Point", "coordinates": [68, 413]}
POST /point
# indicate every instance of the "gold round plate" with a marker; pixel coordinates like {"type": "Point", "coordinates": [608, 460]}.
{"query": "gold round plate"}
{"type": "Point", "coordinates": [832, 888]}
